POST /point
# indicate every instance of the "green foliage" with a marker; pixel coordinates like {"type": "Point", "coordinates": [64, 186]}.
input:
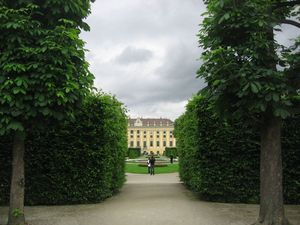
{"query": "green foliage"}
{"type": "Point", "coordinates": [170, 151]}
{"type": "Point", "coordinates": [291, 159]}
{"type": "Point", "coordinates": [17, 212]}
{"type": "Point", "coordinates": [219, 159]}
{"type": "Point", "coordinates": [133, 153]}
{"type": "Point", "coordinates": [50, 11]}
{"type": "Point", "coordinates": [241, 58]}
{"type": "Point", "coordinates": [80, 161]}
{"type": "Point", "coordinates": [186, 133]}
{"type": "Point", "coordinates": [43, 72]}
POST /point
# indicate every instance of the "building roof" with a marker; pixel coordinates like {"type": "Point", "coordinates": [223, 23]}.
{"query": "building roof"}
{"type": "Point", "coordinates": [150, 122]}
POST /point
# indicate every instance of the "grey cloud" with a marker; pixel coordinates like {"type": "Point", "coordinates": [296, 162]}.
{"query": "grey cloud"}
{"type": "Point", "coordinates": [134, 55]}
{"type": "Point", "coordinates": [174, 80]}
{"type": "Point", "coordinates": [162, 65]}
{"type": "Point", "coordinates": [129, 20]}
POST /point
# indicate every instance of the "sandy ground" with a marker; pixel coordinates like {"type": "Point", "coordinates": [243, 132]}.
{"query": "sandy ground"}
{"type": "Point", "coordinates": [148, 200]}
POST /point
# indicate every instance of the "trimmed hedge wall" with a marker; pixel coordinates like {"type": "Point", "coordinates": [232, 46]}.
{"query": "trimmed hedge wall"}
{"type": "Point", "coordinates": [171, 151]}
{"type": "Point", "coordinates": [134, 153]}
{"type": "Point", "coordinates": [219, 159]}
{"type": "Point", "coordinates": [80, 161]}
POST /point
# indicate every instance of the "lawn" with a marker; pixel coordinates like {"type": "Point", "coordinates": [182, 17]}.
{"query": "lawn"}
{"type": "Point", "coordinates": [134, 168]}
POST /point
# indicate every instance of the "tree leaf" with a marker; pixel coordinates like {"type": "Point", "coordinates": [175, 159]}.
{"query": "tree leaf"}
{"type": "Point", "coordinates": [14, 125]}
{"type": "Point", "coordinates": [254, 88]}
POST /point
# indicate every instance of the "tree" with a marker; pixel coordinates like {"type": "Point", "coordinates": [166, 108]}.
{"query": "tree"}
{"type": "Point", "coordinates": [250, 75]}
{"type": "Point", "coordinates": [43, 74]}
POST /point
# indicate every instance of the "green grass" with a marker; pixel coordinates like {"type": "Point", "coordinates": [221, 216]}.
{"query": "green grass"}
{"type": "Point", "coordinates": [134, 168]}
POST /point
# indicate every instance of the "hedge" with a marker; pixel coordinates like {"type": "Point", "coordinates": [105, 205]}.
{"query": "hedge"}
{"type": "Point", "coordinates": [219, 159]}
{"type": "Point", "coordinates": [134, 153]}
{"type": "Point", "coordinates": [170, 151]}
{"type": "Point", "coordinates": [156, 165]}
{"type": "Point", "coordinates": [79, 161]}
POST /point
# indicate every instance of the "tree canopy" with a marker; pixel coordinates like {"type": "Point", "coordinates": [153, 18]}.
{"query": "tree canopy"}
{"type": "Point", "coordinates": [43, 71]}
{"type": "Point", "coordinates": [247, 71]}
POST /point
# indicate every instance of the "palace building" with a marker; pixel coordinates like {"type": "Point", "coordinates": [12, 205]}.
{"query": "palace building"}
{"type": "Point", "coordinates": [151, 135]}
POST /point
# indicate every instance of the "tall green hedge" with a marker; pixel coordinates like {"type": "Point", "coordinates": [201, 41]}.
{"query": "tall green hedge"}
{"type": "Point", "coordinates": [220, 159]}
{"type": "Point", "coordinates": [133, 153]}
{"type": "Point", "coordinates": [171, 151]}
{"type": "Point", "coordinates": [80, 161]}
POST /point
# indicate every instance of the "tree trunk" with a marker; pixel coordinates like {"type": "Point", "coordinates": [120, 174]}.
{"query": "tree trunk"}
{"type": "Point", "coordinates": [271, 194]}
{"type": "Point", "coordinates": [16, 207]}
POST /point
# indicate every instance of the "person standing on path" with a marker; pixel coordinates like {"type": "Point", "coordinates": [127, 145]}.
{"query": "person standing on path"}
{"type": "Point", "coordinates": [148, 164]}
{"type": "Point", "coordinates": [152, 164]}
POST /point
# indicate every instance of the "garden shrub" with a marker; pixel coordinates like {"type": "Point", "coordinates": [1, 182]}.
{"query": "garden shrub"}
{"type": "Point", "coordinates": [291, 160]}
{"type": "Point", "coordinates": [80, 161]}
{"type": "Point", "coordinates": [219, 159]}
{"type": "Point", "coordinates": [170, 151]}
{"type": "Point", "coordinates": [134, 153]}
{"type": "Point", "coordinates": [156, 165]}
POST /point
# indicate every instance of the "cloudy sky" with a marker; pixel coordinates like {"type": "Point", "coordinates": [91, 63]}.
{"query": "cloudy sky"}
{"type": "Point", "coordinates": [145, 52]}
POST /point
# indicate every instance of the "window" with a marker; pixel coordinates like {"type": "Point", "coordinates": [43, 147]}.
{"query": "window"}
{"type": "Point", "coordinates": [138, 144]}
{"type": "Point", "coordinates": [131, 144]}
{"type": "Point", "coordinates": [171, 135]}
{"type": "Point", "coordinates": [171, 143]}
{"type": "Point", "coordinates": [151, 143]}
{"type": "Point", "coordinates": [144, 136]}
{"type": "Point", "coordinates": [157, 143]}
{"type": "Point", "coordinates": [131, 136]}
{"type": "Point", "coordinates": [131, 131]}
{"type": "Point", "coordinates": [145, 132]}
{"type": "Point", "coordinates": [165, 143]}
{"type": "Point", "coordinates": [164, 136]}
{"type": "Point", "coordinates": [157, 132]}
{"type": "Point", "coordinates": [157, 136]}
{"type": "Point", "coordinates": [145, 144]}
{"type": "Point", "coordinates": [138, 136]}
{"type": "Point", "coordinates": [171, 132]}
{"type": "Point", "coordinates": [138, 131]}
{"type": "Point", "coordinates": [151, 136]}
{"type": "Point", "coordinates": [165, 132]}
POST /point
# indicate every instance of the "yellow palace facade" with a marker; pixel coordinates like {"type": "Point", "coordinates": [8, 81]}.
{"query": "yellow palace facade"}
{"type": "Point", "coordinates": [151, 135]}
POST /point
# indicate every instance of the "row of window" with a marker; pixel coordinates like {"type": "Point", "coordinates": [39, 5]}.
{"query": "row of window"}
{"type": "Point", "coordinates": [151, 132]}
{"type": "Point", "coordinates": [148, 124]}
{"type": "Point", "coordinates": [151, 136]}
{"type": "Point", "coordinates": [151, 144]}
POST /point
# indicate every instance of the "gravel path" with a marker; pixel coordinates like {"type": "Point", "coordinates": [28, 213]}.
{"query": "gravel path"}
{"type": "Point", "coordinates": [148, 200]}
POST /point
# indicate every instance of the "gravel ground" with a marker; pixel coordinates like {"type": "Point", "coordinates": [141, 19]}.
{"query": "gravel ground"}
{"type": "Point", "coordinates": [148, 200]}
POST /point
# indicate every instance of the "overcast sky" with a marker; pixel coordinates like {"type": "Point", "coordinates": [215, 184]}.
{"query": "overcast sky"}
{"type": "Point", "coordinates": [146, 53]}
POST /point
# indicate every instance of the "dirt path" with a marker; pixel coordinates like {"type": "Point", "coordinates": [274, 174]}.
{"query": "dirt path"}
{"type": "Point", "coordinates": [149, 200]}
